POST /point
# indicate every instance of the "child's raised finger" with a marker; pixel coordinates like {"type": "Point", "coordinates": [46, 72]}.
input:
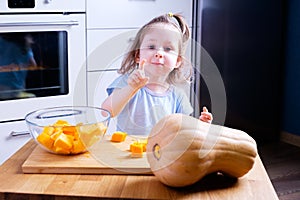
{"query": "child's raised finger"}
{"type": "Point", "coordinates": [141, 65]}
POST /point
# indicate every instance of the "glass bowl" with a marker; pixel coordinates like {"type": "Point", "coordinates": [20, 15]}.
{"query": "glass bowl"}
{"type": "Point", "coordinates": [68, 130]}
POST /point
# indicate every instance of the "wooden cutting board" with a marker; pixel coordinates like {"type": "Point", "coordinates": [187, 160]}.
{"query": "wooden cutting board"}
{"type": "Point", "coordinates": [105, 157]}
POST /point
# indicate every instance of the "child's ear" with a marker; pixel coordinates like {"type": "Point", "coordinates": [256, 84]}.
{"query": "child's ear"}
{"type": "Point", "coordinates": [137, 57]}
{"type": "Point", "coordinates": [179, 62]}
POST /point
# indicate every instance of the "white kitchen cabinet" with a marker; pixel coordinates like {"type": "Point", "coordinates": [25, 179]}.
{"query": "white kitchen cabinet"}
{"type": "Point", "coordinates": [10, 144]}
{"type": "Point", "coordinates": [106, 48]}
{"type": "Point", "coordinates": [97, 84]}
{"type": "Point", "coordinates": [132, 13]}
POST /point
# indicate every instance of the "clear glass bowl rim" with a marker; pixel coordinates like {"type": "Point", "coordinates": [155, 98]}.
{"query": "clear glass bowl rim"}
{"type": "Point", "coordinates": [57, 108]}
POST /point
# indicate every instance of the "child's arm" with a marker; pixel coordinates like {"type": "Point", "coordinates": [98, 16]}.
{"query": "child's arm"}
{"type": "Point", "coordinates": [206, 116]}
{"type": "Point", "coordinates": [115, 102]}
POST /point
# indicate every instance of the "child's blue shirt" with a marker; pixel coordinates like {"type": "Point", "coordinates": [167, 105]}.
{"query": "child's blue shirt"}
{"type": "Point", "coordinates": [146, 108]}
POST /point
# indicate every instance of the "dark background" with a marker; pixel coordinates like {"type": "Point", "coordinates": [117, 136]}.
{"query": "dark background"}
{"type": "Point", "coordinates": [248, 42]}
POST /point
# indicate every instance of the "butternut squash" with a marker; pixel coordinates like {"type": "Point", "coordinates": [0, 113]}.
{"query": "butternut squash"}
{"type": "Point", "coordinates": [181, 150]}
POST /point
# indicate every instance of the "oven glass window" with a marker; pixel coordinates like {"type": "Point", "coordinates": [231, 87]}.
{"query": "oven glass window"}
{"type": "Point", "coordinates": [33, 64]}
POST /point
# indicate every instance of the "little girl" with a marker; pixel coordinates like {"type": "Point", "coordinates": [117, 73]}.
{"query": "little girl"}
{"type": "Point", "coordinates": [146, 91]}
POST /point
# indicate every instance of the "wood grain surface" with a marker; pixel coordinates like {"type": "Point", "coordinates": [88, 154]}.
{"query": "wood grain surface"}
{"type": "Point", "coordinates": [14, 184]}
{"type": "Point", "coordinates": [105, 157]}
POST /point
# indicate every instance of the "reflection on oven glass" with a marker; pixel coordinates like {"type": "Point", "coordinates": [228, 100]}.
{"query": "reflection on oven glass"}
{"type": "Point", "coordinates": [33, 64]}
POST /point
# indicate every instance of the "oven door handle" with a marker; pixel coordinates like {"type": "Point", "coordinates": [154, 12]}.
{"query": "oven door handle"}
{"type": "Point", "coordinates": [50, 23]}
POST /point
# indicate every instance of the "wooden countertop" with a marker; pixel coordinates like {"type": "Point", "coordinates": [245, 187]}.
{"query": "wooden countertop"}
{"type": "Point", "coordinates": [16, 185]}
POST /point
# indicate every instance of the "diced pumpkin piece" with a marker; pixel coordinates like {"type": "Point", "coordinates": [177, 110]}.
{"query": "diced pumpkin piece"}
{"type": "Point", "coordinates": [45, 140]}
{"type": "Point", "coordinates": [61, 150]}
{"type": "Point", "coordinates": [58, 129]}
{"type": "Point", "coordinates": [69, 130]}
{"type": "Point", "coordinates": [89, 129]}
{"type": "Point", "coordinates": [118, 136]}
{"type": "Point", "coordinates": [86, 138]}
{"type": "Point", "coordinates": [90, 134]}
{"type": "Point", "coordinates": [78, 147]}
{"type": "Point", "coordinates": [61, 123]}
{"type": "Point", "coordinates": [93, 140]}
{"type": "Point", "coordinates": [64, 141]}
{"type": "Point", "coordinates": [144, 143]}
{"type": "Point", "coordinates": [102, 128]}
{"type": "Point", "coordinates": [48, 130]}
{"type": "Point", "coordinates": [141, 142]}
{"type": "Point", "coordinates": [56, 134]}
{"type": "Point", "coordinates": [136, 150]}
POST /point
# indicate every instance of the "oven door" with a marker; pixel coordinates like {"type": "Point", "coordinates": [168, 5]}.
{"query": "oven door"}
{"type": "Point", "coordinates": [42, 62]}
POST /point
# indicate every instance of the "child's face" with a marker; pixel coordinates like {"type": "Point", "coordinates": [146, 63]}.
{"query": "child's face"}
{"type": "Point", "coordinates": [160, 48]}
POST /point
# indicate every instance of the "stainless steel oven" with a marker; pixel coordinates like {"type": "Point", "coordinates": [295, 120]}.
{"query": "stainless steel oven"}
{"type": "Point", "coordinates": [42, 55]}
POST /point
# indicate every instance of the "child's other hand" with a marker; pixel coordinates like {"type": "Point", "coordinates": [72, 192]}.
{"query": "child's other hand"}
{"type": "Point", "coordinates": [206, 116]}
{"type": "Point", "coordinates": [137, 78]}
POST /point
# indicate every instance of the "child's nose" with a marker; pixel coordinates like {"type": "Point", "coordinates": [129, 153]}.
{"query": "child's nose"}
{"type": "Point", "coordinates": [158, 55]}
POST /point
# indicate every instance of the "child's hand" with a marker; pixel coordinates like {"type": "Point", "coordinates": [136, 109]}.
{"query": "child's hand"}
{"type": "Point", "coordinates": [206, 116]}
{"type": "Point", "coordinates": [137, 78]}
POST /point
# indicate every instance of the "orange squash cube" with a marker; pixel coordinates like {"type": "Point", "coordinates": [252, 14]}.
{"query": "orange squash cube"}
{"type": "Point", "coordinates": [64, 141]}
{"type": "Point", "coordinates": [92, 129]}
{"type": "Point", "coordinates": [45, 140]}
{"type": "Point", "coordinates": [61, 123]}
{"type": "Point", "coordinates": [118, 136]}
{"type": "Point", "coordinates": [69, 130]}
{"type": "Point", "coordinates": [78, 147]}
{"type": "Point", "coordinates": [144, 143]}
{"type": "Point", "coordinates": [49, 130]}
{"type": "Point", "coordinates": [61, 150]}
{"type": "Point", "coordinates": [102, 128]}
{"type": "Point", "coordinates": [56, 134]}
{"type": "Point", "coordinates": [136, 150]}
{"type": "Point", "coordinates": [140, 142]}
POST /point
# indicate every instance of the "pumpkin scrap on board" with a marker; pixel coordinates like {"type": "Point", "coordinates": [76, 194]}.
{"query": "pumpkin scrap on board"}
{"type": "Point", "coordinates": [181, 150]}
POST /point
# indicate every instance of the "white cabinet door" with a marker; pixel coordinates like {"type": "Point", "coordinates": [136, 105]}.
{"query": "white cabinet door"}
{"type": "Point", "coordinates": [10, 144]}
{"type": "Point", "coordinates": [106, 48]}
{"type": "Point", "coordinates": [97, 84]}
{"type": "Point", "coordinates": [133, 13]}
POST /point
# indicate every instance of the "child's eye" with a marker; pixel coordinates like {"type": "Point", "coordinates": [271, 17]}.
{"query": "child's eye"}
{"type": "Point", "coordinates": [167, 49]}
{"type": "Point", "coordinates": [151, 46]}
